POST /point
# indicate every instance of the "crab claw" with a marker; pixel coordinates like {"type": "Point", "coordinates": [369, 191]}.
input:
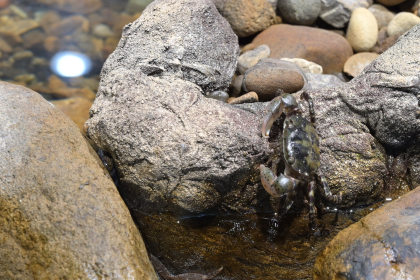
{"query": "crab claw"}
{"type": "Point", "coordinates": [273, 111]}
{"type": "Point", "coordinates": [267, 180]}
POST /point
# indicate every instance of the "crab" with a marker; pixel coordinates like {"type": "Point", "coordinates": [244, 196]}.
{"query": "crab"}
{"type": "Point", "coordinates": [301, 153]}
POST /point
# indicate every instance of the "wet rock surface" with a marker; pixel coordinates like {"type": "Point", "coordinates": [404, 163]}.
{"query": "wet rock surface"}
{"type": "Point", "coordinates": [382, 245]}
{"type": "Point", "coordinates": [61, 214]}
{"type": "Point", "coordinates": [163, 43]}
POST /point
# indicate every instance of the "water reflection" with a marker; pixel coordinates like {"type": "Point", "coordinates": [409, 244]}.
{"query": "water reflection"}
{"type": "Point", "coordinates": [70, 64]}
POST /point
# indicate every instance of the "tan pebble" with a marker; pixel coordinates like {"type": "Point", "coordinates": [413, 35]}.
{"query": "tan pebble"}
{"type": "Point", "coordinates": [249, 97]}
{"type": "Point", "coordinates": [383, 15]}
{"type": "Point", "coordinates": [67, 26]}
{"type": "Point", "coordinates": [307, 66]}
{"type": "Point", "coordinates": [356, 63]}
{"type": "Point", "coordinates": [250, 58]}
{"type": "Point", "coordinates": [52, 44]}
{"type": "Point", "coordinates": [4, 46]}
{"type": "Point", "coordinates": [401, 23]}
{"type": "Point", "coordinates": [362, 31]}
{"type": "Point", "coordinates": [248, 48]}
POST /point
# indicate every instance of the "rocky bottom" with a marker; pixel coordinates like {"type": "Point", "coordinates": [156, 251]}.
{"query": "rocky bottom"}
{"type": "Point", "coordinates": [249, 246]}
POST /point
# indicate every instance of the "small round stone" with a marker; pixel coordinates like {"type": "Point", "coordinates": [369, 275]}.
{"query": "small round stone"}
{"type": "Point", "coordinates": [266, 81]}
{"type": "Point", "coordinates": [102, 31]}
{"type": "Point", "coordinates": [356, 63]}
{"type": "Point", "coordinates": [362, 31]}
{"type": "Point", "coordinates": [218, 95]}
{"type": "Point", "coordinates": [402, 22]}
{"type": "Point", "coordinates": [302, 12]}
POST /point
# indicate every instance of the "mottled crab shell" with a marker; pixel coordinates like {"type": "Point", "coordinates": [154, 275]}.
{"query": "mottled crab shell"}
{"type": "Point", "coordinates": [301, 145]}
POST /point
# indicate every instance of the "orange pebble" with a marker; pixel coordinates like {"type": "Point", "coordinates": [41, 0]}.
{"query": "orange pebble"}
{"type": "Point", "coordinates": [4, 3]}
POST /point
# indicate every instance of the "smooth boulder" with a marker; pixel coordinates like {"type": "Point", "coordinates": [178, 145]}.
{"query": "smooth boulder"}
{"type": "Point", "coordinates": [61, 214]}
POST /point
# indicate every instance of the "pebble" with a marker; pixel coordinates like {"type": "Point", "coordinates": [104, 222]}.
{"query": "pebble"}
{"type": "Point", "coordinates": [302, 12]}
{"type": "Point", "coordinates": [67, 25]}
{"type": "Point", "coordinates": [386, 43]}
{"type": "Point", "coordinates": [269, 75]}
{"type": "Point", "coordinates": [59, 88]}
{"type": "Point", "coordinates": [249, 97]}
{"type": "Point", "coordinates": [4, 46]}
{"type": "Point", "coordinates": [307, 66]}
{"type": "Point", "coordinates": [4, 3]}
{"type": "Point", "coordinates": [248, 17]}
{"type": "Point", "coordinates": [338, 12]}
{"type": "Point", "coordinates": [218, 95]}
{"type": "Point", "coordinates": [383, 15]}
{"type": "Point", "coordinates": [250, 58]}
{"type": "Point", "coordinates": [355, 64]}
{"type": "Point", "coordinates": [401, 23]}
{"type": "Point", "coordinates": [322, 47]}
{"type": "Point", "coordinates": [237, 85]}
{"type": "Point", "coordinates": [390, 2]}
{"type": "Point", "coordinates": [102, 31]}
{"type": "Point", "coordinates": [362, 31]}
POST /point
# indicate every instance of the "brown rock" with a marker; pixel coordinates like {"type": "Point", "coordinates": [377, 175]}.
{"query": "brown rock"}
{"type": "Point", "coordinates": [67, 26]}
{"type": "Point", "coordinates": [52, 44]}
{"type": "Point", "coordinates": [11, 31]}
{"type": "Point", "coordinates": [79, 6]}
{"type": "Point", "coordinates": [325, 48]}
{"type": "Point", "coordinates": [77, 108]}
{"type": "Point", "coordinates": [48, 19]}
{"type": "Point", "coordinates": [356, 63]}
{"type": "Point", "coordinates": [265, 82]}
{"type": "Point", "coordinates": [249, 97]}
{"type": "Point", "coordinates": [4, 46]}
{"type": "Point", "coordinates": [248, 17]}
{"type": "Point", "coordinates": [4, 3]}
{"type": "Point", "coordinates": [32, 38]}
{"type": "Point", "coordinates": [61, 215]}
{"type": "Point", "coordinates": [383, 245]}
{"type": "Point", "coordinates": [237, 85]}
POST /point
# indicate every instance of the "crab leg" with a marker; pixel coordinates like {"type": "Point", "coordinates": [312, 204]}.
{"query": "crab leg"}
{"type": "Point", "coordinates": [273, 111]}
{"type": "Point", "coordinates": [312, 211]}
{"type": "Point", "coordinates": [275, 186]}
{"type": "Point", "coordinates": [328, 195]}
{"type": "Point", "coordinates": [290, 196]}
{"type": "Point", "coordinates": [308, 99]}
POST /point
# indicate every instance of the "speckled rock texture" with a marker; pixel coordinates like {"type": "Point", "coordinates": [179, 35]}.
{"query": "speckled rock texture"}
{"type": "Point", "coordinates": [323, 47]}
{"type": "Point", "coordinates": [383, 245]}
{"type": "Point", "coordinates": [247, 17]}
{"type": "Point", "coordinates": [302, 12]}
{"type": "Point", "coordinates": [61, 215]}
{"type": "Point", "coordinates": [178, 38]}
{"type": "Point", "coordinates": [381, 102]}
{"type": "Point", "coordinates": [174, 149]}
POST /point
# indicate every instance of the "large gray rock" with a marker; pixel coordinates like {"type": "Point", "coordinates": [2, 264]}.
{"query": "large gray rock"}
{"type": "Point", "coordinates": [61, 215]}
{"type": "Point", "coordinates": [188, 39]}
{"type": "Point", "coordinates": [174, 149]}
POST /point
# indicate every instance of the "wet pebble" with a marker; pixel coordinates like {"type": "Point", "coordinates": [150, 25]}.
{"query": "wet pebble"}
{"type": "Point", "coordinates": [218, 95]}
{"type": "Point", "coordinates": [237, 85]}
